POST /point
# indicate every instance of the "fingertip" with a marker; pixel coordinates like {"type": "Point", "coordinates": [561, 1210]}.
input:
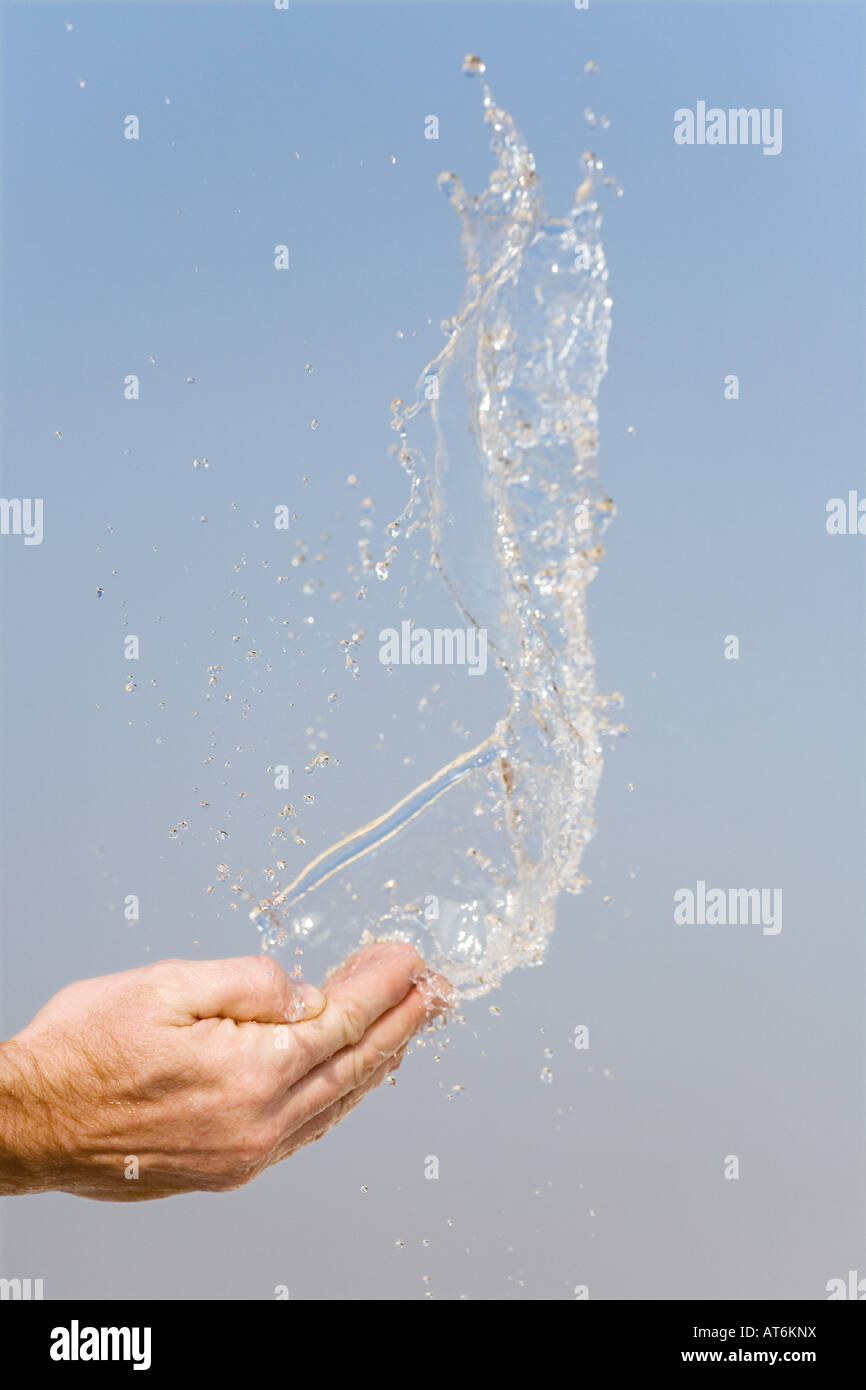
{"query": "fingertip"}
{"type": "Point", "coordinates": [308, 1002]}
{"type": "Point", "coordinates": [437, 992]}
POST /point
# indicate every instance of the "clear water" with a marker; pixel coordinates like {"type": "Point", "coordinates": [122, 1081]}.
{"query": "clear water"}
{"type": "Point", "coordinates": [512, 512]}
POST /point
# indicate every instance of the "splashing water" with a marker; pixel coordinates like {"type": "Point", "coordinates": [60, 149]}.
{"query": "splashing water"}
{"type": "Point", "coordinates": [514, 514]}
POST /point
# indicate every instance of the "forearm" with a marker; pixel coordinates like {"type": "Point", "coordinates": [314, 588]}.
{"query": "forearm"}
{"type": "Point", "coordinates": [23, 1118]}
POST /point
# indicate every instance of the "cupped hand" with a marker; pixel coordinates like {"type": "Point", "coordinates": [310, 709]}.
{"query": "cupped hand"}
{"type": "Point", "coordinates": [184, 1076]}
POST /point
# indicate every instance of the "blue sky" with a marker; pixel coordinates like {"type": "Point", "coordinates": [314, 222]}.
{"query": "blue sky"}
{"type": "Point", "coordinates": [306, 128]}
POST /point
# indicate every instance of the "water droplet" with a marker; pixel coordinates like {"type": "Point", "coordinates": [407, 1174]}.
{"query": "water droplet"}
{"type": "Point", "coordinates": [472, 64]}
{"type": "Point", "coordinates": [590, 65]}
{"type": "Point", "coordinates": [631, 430]}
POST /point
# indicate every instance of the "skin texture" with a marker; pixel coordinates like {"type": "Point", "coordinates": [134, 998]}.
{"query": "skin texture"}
{"type": "Point", "coordinates": [203, 1072]}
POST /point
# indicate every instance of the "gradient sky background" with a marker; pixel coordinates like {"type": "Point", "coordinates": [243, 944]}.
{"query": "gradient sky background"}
{"type": "Point", "coordinates": [282, 127]}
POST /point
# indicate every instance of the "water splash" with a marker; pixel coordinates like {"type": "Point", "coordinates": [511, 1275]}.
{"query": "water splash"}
{"type": "Point", "coordinates": [371, 837]}
{"type": "Point", "coordinates": [515, 515]}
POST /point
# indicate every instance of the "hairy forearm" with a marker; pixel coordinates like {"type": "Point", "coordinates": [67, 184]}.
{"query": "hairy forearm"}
{"type": "Point", "coordinates": [23, 1122]}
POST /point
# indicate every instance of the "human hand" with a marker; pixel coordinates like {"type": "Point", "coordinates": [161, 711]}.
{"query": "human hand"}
{"type": "Point", "coordinates": [197, 1075]}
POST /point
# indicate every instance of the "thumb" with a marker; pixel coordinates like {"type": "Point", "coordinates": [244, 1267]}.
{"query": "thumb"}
{"type": "Point", "coordinates": [249, 989]}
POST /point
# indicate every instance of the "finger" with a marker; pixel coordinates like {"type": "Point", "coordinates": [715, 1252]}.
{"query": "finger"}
{"type": "Point", "coordinates": [438, 992]}
{"type": "Point", "coordinates": [352, 1066]}
{"type": "Point", "coordinates": [327, 1118]}
{"type": "Point", "coordinates": [249, 989]}
{"type": "Point", "coordinates": [366, 986]}
{"type": "Point", "coordinates": [365, 957]}
{"type": "Point", "coordinates": [437, 988]}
